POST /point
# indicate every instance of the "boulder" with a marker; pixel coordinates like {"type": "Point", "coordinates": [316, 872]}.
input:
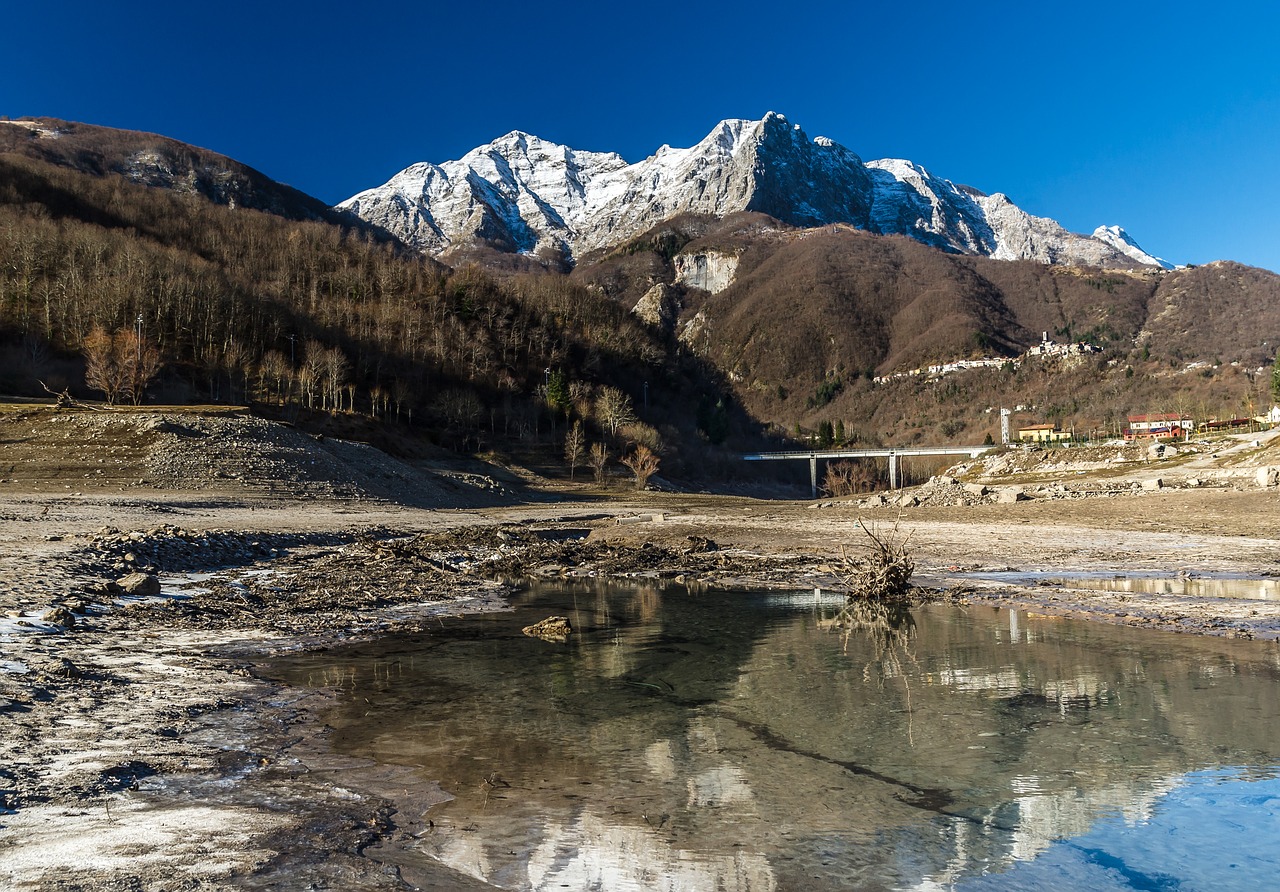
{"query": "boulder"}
{"type": "Point", "coordinates": [976, 489]}
{"type": "Point", "coordinates": [140, 584]}
{"type": "Point", "coordinates": [1268, 476]}
{"type": "Point", "coordinates": [1011, 494]}
{"type": "Point", "coordinates": [1155, 484]}
{"type": "Point", "coordinates": [60, 616]}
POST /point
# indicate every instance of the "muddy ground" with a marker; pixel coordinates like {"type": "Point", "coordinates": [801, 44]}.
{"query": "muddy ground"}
{"type": "Point", "coordinates": [139, 750]}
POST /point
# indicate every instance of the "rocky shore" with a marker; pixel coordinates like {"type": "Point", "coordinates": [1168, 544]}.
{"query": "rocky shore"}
{"type": "Point", "coordinates": [141, 751]}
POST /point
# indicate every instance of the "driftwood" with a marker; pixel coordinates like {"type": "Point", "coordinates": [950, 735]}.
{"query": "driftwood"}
{"type": "Point", "coordinates": [66, 401]}
{"type": "Point", "coordinates": [882, 572]}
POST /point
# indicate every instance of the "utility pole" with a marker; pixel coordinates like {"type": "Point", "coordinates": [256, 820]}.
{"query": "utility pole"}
{"type": "Point", "coordinates": [139, 338]}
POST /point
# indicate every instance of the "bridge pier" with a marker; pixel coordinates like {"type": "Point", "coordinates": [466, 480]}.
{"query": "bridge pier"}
{"type": "Point", "coordinates": [892, 454]}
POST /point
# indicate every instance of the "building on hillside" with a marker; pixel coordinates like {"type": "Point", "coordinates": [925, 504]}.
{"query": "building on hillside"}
{"type": "Point", "coordinates": [1042, 433]}
{"type": "Point", "coordinates": [1161, 426]}
{"type": "Point", "coordinates": [1047, 347]}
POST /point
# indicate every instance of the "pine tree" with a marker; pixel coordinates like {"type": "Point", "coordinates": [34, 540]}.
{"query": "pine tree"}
{"type": "Point", "coordinates": [1275, 378]}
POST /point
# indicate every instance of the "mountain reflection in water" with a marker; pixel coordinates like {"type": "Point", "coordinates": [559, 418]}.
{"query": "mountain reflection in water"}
{"type": "Point", "coordinates": [747, 741]}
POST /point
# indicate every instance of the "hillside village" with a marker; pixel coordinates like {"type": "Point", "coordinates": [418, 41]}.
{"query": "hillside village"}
{"type": "Point", "coordinates": [1046, 349]}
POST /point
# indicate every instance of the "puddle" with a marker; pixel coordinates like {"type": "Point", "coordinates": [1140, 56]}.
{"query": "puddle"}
{"type": "Point", "coordinates": [742, 741]}
{"type": "Point", "coordinates": [1187, 586]}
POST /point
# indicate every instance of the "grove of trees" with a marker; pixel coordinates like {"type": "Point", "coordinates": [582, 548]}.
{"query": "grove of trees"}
{"type": "Point", "coordinates": [307, 317]}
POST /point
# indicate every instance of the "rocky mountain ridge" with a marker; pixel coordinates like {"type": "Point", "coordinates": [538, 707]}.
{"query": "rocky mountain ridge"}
{"type": "Point", "coordinates": [522, 194]}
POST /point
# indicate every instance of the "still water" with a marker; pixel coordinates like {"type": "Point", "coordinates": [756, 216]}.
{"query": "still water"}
{"type": "Point", "coordinates": [740, 741]}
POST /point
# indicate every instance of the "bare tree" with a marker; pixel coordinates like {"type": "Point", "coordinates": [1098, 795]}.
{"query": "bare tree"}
{"type": "Point", "coordinates": [236, 360]}
{"type": "Point", "coordinates": [336, 370]}
{"type": "Point", "coordinates": [598, 458]}
{"type": "Point", "coordinates": [575, 447]}
{"type": "Point", "coordinates": [273, 371]}
{"type": "Point", "coordinates": [142, 359]}
{"type": "Point", "coordinates": [613, 408]}
{"type": "Point", "coordinates": [643, 462]}
{"type": "Point", "coordinates": [120, 364]}
{"type": "Point", "coordinates": [103, 369]}
{"type": "Point", "coordinates": [312, 374]}
{"type": "Point", "coordinates": [307, 385]}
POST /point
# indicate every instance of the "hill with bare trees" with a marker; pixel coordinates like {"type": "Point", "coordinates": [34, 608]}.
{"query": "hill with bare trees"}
{"type": "Point", "coordinates": [305, 319]}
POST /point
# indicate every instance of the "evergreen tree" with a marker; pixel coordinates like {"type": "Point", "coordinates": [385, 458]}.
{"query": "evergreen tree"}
{"type": "Point", "coordinates": [1275, 378]}
{"type": "Point", "coordinates": [826, 433]}
{"type": "Point", "coordinates": [558, 390]}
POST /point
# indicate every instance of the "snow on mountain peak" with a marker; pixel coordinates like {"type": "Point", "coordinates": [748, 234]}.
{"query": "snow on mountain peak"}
{"type": "Point", "coordinates": [1123, 242]}
{"type": "Point", "coordinates": [523, 193]}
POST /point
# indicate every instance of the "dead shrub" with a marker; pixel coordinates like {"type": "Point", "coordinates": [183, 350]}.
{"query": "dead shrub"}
{"type": "Point", "coordinates": [882, 572]}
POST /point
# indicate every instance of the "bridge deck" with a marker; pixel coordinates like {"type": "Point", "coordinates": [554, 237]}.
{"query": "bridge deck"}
{"type": "Point", "coordinates": [892, 453]}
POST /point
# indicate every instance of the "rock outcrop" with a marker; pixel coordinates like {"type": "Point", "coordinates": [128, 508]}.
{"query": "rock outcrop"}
{"type": "Point", "coordinates": [709, 270]}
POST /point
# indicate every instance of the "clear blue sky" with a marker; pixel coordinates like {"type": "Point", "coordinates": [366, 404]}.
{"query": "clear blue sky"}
{"type": "Point", "coordinates": [1163, 118]}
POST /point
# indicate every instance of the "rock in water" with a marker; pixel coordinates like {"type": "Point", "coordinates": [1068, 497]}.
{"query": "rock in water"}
{"type": "Point", "coordinates": [553, 628]}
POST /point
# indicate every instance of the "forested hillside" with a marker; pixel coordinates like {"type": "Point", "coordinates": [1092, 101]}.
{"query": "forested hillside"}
{"type": "Point", "coordinates": [308, 317]}
{"type": "Point", "coordinates": [811, 317]}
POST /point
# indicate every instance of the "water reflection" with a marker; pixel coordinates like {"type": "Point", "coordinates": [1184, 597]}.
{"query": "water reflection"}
{"type": "Point", "coordinates": [1186, 586]}
{"type": "Point", "coordinates": [745, 742]}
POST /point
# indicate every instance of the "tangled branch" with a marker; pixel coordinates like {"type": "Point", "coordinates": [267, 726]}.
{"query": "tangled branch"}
{"type": "Point", "coordinates": [882, 573]}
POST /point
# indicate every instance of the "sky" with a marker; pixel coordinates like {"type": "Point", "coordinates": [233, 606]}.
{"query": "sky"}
{"type": "Point", "coordinates": [1163, 118]}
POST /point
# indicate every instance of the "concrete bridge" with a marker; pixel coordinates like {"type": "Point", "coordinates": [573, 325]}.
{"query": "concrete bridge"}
{"type": "Point", "coordinates": [892, 453]}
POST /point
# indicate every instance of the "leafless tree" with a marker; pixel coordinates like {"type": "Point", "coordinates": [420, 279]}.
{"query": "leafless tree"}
{"type": "Point", "coordinates": [643, 462]}
{"type": "Point", "coordinates": [575, 447]}
{"type": "Point", "coordinates": [142, 359]}
{"type": "Point", "coordinates": [273, 371]}
{"type": "Point", "coordinates": [613, 408]}
{"type": "Point", "coordinates": [598, 458]}
{"type": "Point", "coordinates": [120, 364]}
{"type": "Point", "coordinates": [102, 367]}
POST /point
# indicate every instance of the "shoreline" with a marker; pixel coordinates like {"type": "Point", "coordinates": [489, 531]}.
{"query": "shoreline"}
{"type": "Point", "coordinates": [147, 748]}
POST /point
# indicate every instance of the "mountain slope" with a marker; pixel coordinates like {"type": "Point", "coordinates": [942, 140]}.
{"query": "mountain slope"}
{"type": "Point", "coordinates": [524, 194]}
{"type": "Point", "coordinates": [152, 160]}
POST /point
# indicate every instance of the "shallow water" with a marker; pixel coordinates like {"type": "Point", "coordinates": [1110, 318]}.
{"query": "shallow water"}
{"type": "Point", "coordinates": [739, 741]}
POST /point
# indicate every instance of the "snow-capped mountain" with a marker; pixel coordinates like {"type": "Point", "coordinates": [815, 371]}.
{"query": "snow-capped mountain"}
{"type": "Point", "coordinates": [523, 194]}
{"type": "Point", "coordinates": [1123, 242]}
